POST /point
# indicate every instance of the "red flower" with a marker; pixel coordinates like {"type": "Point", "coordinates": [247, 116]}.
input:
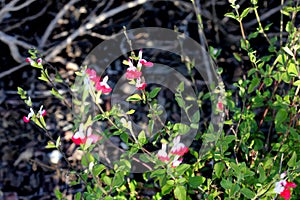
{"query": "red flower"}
{"type": "Point", "coordinates": [103, 86]}
{"type": "Point", "coordinates": [92, 75]}
{"type": "Point", "coordinates": [80, 138]}
{"type": "Point", "coordinates": [220, 106]}
{"type": "Point", "coordinates": [286, 194]}
{"type": "Point", "coordinates": [179, 148]}
{"type": "Point", "coordinates": [132, 71]}
{"type": "Point", "coordinates": [283, 187]}
{"type": "Point", "coordinates": [29, 60]}
{"type": "Point", "coordinates": [143, 61]}
{"type": "Point", "coordinates": [39, 61]}
{"type": "Point", "coordinates": [41, 113]}
{"type": "Point", "coordinates": [132, 74]}
{"type": "Point", "coordinates": [290, 185]}
{"type": "Point", "coordinates": [139, 85]}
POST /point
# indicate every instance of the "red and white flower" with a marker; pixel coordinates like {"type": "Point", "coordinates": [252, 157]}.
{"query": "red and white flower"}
{"type": "Point", "coordinates": [176, 161]}
{"type": "Point", "coordinates": [162, 153]}
{"type": "Point", "coordinates": [132, 72]}
{"type": "Point", "coordinates": [178, 148]}
{"type": "Point", "coordinates": [41, 113]}
{"type": "Point", "coordinates": [103, 86]}
{"type": "Point", "coordinates": [139, 85]}
{"type": "Point", "coordinates": [80, 138]}
{"type": "Point", "coordinates": [283, 187]}
{"type": "Point", "coordinates": [39, 61]}
{"type": "Point", "coordinates": [29, 60]}
{"type": "Point", "coordinates": [30, 114]}
{"type": "Point", "coordinates": [92, 75]}
{"type": "Point", "coordinates": [176, 153]}
{"type": "Point", "coordinates": [143, 61]}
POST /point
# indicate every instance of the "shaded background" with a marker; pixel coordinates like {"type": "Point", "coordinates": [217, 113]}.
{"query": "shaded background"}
{"type": "Point", "coordinates": [65, 32]}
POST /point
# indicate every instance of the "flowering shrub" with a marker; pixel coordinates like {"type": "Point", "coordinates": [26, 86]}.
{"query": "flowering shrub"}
{"type": "Point", "coordinates": [246, 161]}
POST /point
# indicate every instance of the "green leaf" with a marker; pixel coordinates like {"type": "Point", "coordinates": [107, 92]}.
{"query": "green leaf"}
{"type": "Point", "coordinates": [181, 128]}
{"type": "Point", "coordinates": [50, 145]}
{"type": "Point", "coordinates": [142, 138]}
{"type": "Point", "coordinates": [180, 192]}
{"type": "Point", "coordinates": [58, 194]}
{"type": "Point", "coordinates": [87, 159]}
{"type": "Point", "coordinates": [134, 97]}
{"type": "Point", "coordinates": [245, 44]}
{"type": "Point", "coordinates": [154, 92]}
{"type": "Point", "coordinates": [57, 142]}
{"type": "Point", "coordinates": [166, 189]}
{"type": "Point", "coordinates": [231, 15]}
{"type": "Point", "coordinates": [180, 101]}
{"type": "Point", "coordinates": [293, 160]}
{"type": "Point", "coordinates": [218, 169]}
{"type": "Point", "coordinates": [130, 112]}
{"type": "Point", "coordinates": [262, 174]}
{"type": "Point", "coordinates": [78, 196]}
{"type": "Point", "coordinates": [196, 181]}
{"type": "Point", "coordinates": [281, 116]}
{"type": "Point", "coordinates": [182, 168]}
{"type": "Point", "coordinates": [254, 83]}
{"type": "Point", "coordinates": [292, 69]}
{"type": "Point", "coordinates": [180, 87]}
{"type": "Point", "coordinates": [118, 179]}
{"type": "Point", "coordinates": [56, 94]}
{"type": "Point", "coordinates": [97, 169]}
{"type": "Point", "coordinates": [296, 83]}
{"type": "Point", "coordinates": [226, 184]}
{"type": "Point", "coordinates": [237, 57]}
{"type": "Point", "coordinates": [196, 117]}
{"type": "Point", "coordinates": [247, 193]}
{"type": "Point", "coordinates": [245, 13]}
{"type": "Point", "coordinates": [268, 81]}
{"type": "Point", "coordinates": [158, 173]}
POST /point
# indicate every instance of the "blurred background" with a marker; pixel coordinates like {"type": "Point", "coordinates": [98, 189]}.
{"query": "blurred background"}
{"type": "Point", "coordinates": [65, 32]}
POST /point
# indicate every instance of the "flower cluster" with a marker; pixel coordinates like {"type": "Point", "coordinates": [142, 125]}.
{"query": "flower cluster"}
{"type": "Point", "coordinates": [283, 187]}
{"type": "Point", "coordinates": [178, 150]}
{"type": "Point", "coordinates": [134, 72]}
{"type": "Point", "coordinates": [100, 86]}
{"type": "Point", "coordinates": [41, 113]}
{"type": "Point", "coordinates": [34, 63]}
{"type": "Point", "coordinates": [81, 138]}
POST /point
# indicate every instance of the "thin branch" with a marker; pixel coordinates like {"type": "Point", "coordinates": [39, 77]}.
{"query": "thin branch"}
{"type": "Point", "coordinates": [51, 26]}
{"type": "Point", "coordinates": [93, 21]}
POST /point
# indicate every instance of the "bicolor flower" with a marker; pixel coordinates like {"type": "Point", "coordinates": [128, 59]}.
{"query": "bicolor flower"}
{"type": "Point", "coordinates": [80, 138]}
{"type": "Point", "coordinates": [92, 75]}
{"type": "Point", "coordinates": [103, 86]}
{"type": "Point", "coordinates": [283, 187]}
{"type": "Point", "coordinates": [30, 114]}
{"type": "Point", "coordinates": [39, 61]}
{"type": "Point", "coordinates": [162, 153]}
{"type": "Point", "coordinates": [176, 161]}
{"type": "Point", "coordinates": [132, 71]}
{"type": "Point", "coordinates": [139, 85]}
{"type": "Point", "coordinates": [29, 60]}
{"type": "Point", "coordinates": [42, 112]}
{"type": "Point", "coordinates": [176, 153]}
{"type": "Point", "coordinates": [178, 148]}
{"type": "Point", "coordinates": [143, 61]}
